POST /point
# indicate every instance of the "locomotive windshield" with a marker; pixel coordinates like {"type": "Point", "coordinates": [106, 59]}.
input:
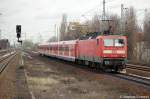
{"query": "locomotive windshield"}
{"type": "Point", "coordinates": [119, 42]}
{"type": "Point", "coordinates": [114, 42]}
{"type": "Point", "coordinates": [108, 42]}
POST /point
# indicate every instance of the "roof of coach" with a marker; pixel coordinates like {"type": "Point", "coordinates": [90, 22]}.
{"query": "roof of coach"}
{"type": "Point", "coordinates": [60, 42]}
{"type": "Point", "coordinates": [43, 44]}
{"type": "Point", "coordinates": [68, 42]}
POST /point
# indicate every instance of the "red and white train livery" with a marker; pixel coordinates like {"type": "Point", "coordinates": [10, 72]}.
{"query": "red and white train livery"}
{"type": "Point", "coordinates": [107, 52]}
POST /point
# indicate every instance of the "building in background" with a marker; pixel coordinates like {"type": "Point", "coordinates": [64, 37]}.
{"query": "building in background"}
{"type": "Point", "coordinates": [4, 44]}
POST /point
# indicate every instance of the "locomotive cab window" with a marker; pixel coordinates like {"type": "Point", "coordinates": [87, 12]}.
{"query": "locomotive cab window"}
{"type": "Point", "coordinates": [114, 42]}
{"type": "Point", "coordinates": [119, 42]}
{"type": "Point", "coordinates": [108, 42]}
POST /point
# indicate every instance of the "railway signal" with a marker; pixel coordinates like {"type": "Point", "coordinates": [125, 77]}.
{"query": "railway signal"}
{"type": "Point", "coordinates": [18, 31]}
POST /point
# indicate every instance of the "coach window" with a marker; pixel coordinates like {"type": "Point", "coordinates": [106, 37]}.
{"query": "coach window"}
{"type": "Point", "coordinates": [66, 48]}
{"type": "Point", "coordinates": [60, 48]}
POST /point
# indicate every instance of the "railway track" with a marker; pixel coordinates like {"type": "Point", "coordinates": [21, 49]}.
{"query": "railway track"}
{"type": "Point", "coordinates": [140, 80]}
{"type": "Point", "coordinates": [5, 60]}
{"type": "Point", "coordinates": [138, 67]}
{"type": "Point", "coordinates": [143, 81]}
{"type": "Point", "coordinates": [3, 52]}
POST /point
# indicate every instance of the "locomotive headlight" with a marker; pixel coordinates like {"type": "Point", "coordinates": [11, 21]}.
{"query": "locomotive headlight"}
{"type": "Point", "coordinates": [107, 51]}
{"type": "Point", "coordinates": [120, 52]}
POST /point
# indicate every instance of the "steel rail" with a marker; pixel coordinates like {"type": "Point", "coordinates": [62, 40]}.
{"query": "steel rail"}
{"type": "Point", "coordinates": [136, 79]}
{"type": "Point", "coordinates": [6, 61]}
{"type": "Point", "coordinates": [138, 67]}
{"type": "Point", "coordinates": [5, 57]}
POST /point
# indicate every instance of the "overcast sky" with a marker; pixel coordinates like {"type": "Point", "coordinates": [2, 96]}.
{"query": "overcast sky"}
{"type": "Point", "coordinates": [38, 17]}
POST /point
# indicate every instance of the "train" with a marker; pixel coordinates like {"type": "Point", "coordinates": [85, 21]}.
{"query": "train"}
{"type": "Point", "coordinates": [106, 52]}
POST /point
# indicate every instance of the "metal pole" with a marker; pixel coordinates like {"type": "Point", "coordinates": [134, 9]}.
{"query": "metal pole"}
{"type": "Point", "coordinates": [104, 14]}
{"type": "Point", "coordinates": [103, 17]}
{"type": "Point", "coordinates": [122, 18]}
{"type": "Point", "coordinates": [55, 32]}
{"type": "Point", "coordinates": [25, 36]}
{"type": "Point", "coordinates": [58, 34]}
{"type": "Point", "coordinates": [0, 29]}
{"type": "Point", "coordinates": [0, 34]}
{"type": "Point", "coordinates": [126, 20]}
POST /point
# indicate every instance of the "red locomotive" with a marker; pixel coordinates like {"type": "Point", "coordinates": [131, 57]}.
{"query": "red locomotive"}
{"type": "Point", "coordinates": [103, 51]}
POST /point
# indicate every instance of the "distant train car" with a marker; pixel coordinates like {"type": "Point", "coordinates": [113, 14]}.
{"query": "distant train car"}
{"type": "Point", "coordinates": [106, 52]}
{"type": "Point", "coordinates": [4, 44]}
{"type": "Point", "coordinates": [63, 49]}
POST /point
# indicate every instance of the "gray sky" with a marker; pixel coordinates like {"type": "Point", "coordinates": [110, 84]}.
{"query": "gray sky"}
{"type": "Point", "coordinates": [40, 16]}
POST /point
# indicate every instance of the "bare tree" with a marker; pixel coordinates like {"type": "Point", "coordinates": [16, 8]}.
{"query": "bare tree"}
{"type": "Point", "coordinates": [93, 25]}
{"type": "Point", "coordinates": [131, 32]}
{"type": "Point", "coordinates": [115, 24]}
{"type": "Point", "coordinates": [40, 38]}
{"type": "Point", "coordinates": [89, 25]}
{"type": "Point", "coordinates": [147, 29]}
{"type": "Point", "coordinates": [96, 24]}
{"type": "Point", "coordinates": [147, 36]}
{"type": "Point", "coordinates": [63, 26]}
{"type": "Point", "coordinates": [75, 30]}
{"type": "Point", "coordinates": [53, 39]}
{"type": "Point", "coordinates": [28, 44]}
